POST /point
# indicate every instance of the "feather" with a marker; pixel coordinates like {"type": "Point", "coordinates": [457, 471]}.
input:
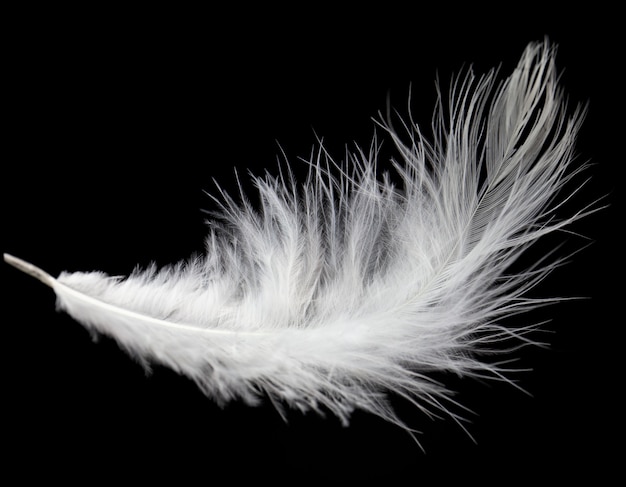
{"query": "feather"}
{"type": "Point", "coordinates": [333, 294]}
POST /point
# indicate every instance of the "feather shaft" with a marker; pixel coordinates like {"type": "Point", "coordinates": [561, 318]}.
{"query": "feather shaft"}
{"type": "Point", "coordinates": [329, 295]}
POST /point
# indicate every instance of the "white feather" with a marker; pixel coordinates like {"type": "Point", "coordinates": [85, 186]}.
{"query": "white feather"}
{"type": "Point", "coordinates": [336, 292]}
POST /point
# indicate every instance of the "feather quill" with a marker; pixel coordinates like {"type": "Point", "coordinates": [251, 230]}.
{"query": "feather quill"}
{"type": "Point", "coordinates": [332, 294]}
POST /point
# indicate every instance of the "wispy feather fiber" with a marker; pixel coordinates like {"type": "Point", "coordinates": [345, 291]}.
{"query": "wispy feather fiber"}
{"type": "Point", "coordinates": [334, 292]}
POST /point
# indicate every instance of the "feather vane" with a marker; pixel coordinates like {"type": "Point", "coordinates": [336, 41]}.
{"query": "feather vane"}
{"type": "Point", "coordinates": [333, 293]}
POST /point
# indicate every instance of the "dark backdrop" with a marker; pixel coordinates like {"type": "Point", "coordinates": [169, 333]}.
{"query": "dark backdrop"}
{"type": "Point", "coordinates": [116, 122]}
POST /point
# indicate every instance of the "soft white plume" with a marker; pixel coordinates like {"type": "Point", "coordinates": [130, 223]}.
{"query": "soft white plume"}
{"type": "Point", "coordinates": [337, 291]}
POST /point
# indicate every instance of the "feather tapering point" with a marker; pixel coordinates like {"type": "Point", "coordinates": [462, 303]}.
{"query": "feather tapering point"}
{"type": "Point", "coordinates": [29, 269]}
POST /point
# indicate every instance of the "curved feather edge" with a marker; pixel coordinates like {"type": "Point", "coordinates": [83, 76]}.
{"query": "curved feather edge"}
{"type": "Point", "coordinates": [334, 293]}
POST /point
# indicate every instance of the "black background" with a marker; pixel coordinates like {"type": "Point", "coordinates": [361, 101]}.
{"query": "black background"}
{"type": "Point", "coordinates": [116, 122]}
